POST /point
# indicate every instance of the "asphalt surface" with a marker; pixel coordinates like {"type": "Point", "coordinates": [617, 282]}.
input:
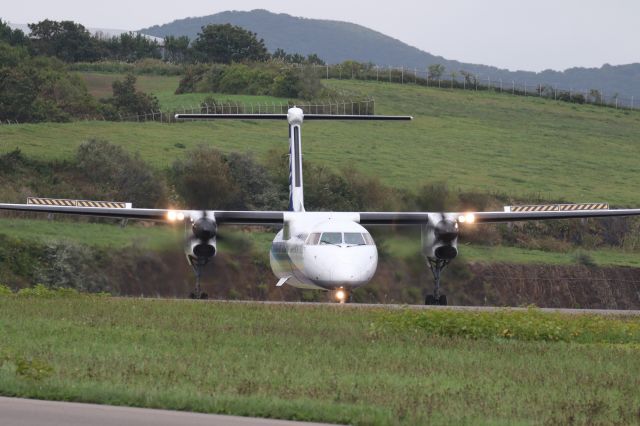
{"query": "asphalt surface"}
{"type": "Point", "coordinates": [32, 412]}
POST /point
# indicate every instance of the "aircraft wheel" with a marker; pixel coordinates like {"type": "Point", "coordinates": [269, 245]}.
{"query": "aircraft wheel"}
{"type": "Point", "coordinates": [443, 300]}
{"type": "Point", "coordinates": [430, 300]}
{"type": "Point", "coordinates": [204, 296]}
{"type": "Point", "coordinates": [193, 295]}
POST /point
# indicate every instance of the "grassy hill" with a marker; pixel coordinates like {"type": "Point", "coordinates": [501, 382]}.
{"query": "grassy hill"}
{"type": "Point", "coordinates": [474, 141]}
{"type": "Point", "coordinates": [336, 41]}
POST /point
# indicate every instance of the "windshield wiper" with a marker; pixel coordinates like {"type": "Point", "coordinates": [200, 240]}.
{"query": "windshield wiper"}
{"type": "Point", "coordinates": [327, 242]}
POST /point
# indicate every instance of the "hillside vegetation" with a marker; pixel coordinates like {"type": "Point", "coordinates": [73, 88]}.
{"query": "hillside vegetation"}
{"type": "Point", "coordinates": [488, 142]}
{"type": "Point", "coordinates": [336, 42]}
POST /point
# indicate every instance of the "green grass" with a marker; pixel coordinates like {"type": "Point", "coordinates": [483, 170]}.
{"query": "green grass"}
{"type": "Point", "coordinates": [93, 234]}
{"type": "Point", "coordinates": [322, 363]}
{"type": "Point", "coordinates": [99, 84]}
{"type": "Point", "coordinates": [473, 141]}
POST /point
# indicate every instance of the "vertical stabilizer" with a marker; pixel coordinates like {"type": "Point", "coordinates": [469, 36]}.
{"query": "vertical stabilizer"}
{"type": "Point", "coordinates": [296, 194]}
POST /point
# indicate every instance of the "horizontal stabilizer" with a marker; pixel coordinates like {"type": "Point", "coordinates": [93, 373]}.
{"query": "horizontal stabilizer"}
{"type": "Point", "coordinates": [284, 117]}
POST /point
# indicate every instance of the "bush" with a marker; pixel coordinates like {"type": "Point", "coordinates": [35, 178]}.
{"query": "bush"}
{"type": "Point", "coordinates": [127, 101]}
{"type": "Point", "coordinates": [204, 181]}
{"type": "Point", "coordinates": [5, 290]}
{"type": "Point", "coordinates": [255, 79]}
{"type": "Point", "coordinates": [41, 89]}
{"type": "Point", "coordinates": [42, 291]}
{"type": "Point", "coordinates": [115, 175]}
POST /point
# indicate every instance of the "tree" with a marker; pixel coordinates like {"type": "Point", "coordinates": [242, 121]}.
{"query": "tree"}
{"type": "Point", "coordinates": [65, 40]}
{"type": "Point", "coordinates": [227, 43]}
{"type": "Point", "coordinates": [40, 89]}
{"type": "Point", "coordinates": [128, 101]}
{"type": "Point", "coordinates": [131, 47]}
{"type": "Point", "coordinates": [177, 48]}
{"type": "Point", "coordinates": [314, 59]}
{"type": "Point", "coordinates": [204, 181]}
{"type": "Point", "coordinates": [436, 71]}
{"type": "Point", "coordinates": [118, 176]}
{"type": "Point", "coordinates": [11, 36]}
{"type": "Point", "coordinates": [470, 79]}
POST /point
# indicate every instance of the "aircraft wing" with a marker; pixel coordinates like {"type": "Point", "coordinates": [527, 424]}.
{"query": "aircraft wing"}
{"type": "Point", "coordinates": [418, 218]}
{"type": "Point", "coordinates": [165, 215]}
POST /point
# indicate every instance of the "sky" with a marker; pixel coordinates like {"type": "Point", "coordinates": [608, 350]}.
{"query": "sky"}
{"type": "Point", "coordinates": [513, 34]}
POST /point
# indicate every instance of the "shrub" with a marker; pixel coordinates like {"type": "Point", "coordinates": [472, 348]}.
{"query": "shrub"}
{"type": "Point", "coordinates": [5, 290]}
{"type": "Point", "coordinates": [127, 101]}
{"type": "Point", "coordinates": [118, 176]}
{"type": "Point", "coordinates": [255, 79]}
{"type": "Point", "coordinates": [204, 181]}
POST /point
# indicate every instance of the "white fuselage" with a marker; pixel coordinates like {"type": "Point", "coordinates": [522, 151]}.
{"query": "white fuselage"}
{"type": "Point", "coordinates": [323, 251]}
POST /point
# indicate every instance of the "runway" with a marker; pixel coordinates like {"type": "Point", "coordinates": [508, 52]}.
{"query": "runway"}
{"type": "Point", "coordinates": [612, 312]}
{"type": "Point", "coordinates": [32, 412]}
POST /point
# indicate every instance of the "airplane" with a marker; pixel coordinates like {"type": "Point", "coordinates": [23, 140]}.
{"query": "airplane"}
{"type": "Point", "coordinates": [329, 251]}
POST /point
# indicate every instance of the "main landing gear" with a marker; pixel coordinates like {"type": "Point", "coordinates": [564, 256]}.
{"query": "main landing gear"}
{"type": "Point", "coordinates": [198, 265]}
{"type": "Point", "coordinates": [436, 266]}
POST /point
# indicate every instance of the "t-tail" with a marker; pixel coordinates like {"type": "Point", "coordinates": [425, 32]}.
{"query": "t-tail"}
{"type": "Point", "coordinates": [295, 116]}
{"type": "Point", "coordinates": [296, 192]}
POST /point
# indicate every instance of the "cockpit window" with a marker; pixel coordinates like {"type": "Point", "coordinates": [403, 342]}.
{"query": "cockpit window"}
{"type": "Point", "coordinates": [331, 238]}
{"type": "Point", "coordinates": [313, 239]}
{"type": "Point", "coordinates": [353, 238]}
{"type": "Point", "coordinates": [368, 239]}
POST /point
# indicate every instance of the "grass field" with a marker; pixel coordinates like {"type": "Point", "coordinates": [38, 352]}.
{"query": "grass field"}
{"type": "Point", "coordinates": [93, 234]}
{"type": "Point", "coordinates": [357, 366]}
{"type": "Point", "coordinates": [473, 141]}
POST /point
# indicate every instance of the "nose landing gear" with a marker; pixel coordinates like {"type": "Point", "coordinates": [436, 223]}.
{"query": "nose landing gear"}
{"type": "Point", "coordinates": [341, 295]}
{"type": "Point", "coordinates": [198, 265]}
{"type": "Point", "coordinates": [436, 266]}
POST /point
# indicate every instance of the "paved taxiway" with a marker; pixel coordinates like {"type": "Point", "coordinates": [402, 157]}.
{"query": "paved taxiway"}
{"type": "Point", "coordinates": [614, 312]}
{"type": "Point", "coordinates": [32, 412]}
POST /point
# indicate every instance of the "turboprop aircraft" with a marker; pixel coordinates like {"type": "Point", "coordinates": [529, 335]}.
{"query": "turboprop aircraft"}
{"type": "Point", "coordinates": [331, 251]}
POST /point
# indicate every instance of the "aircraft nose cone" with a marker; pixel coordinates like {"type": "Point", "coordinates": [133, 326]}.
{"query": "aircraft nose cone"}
{"type": "Point", "coordinates": [352, 270]}
{"type": "Point", "coordinates": [446, 231]}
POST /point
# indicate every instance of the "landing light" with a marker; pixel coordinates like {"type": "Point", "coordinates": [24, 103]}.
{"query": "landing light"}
{"type": "Point", "coordinates": [173, 216]}
{"type": "Point", "coordinates": [467, 218]}
{"type": "Point", "coordinates": [341, 295]}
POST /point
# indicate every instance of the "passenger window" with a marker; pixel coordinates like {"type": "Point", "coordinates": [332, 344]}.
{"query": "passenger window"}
{"type": "Point", "coordinates": [368, 239]}
{"type": "Point", "coordinates": [313, 239]}
{"type": "Point", "coordinates": [331, 238]}
{"type": "Point", "coordinates": [353, 238]}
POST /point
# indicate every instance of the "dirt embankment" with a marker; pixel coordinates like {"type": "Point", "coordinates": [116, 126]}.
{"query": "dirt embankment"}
{"type": "Point", "coordinates": [498, 284]}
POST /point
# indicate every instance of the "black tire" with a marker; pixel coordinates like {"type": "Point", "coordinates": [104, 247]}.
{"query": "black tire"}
{"type": "Point", "coordinates": [443, 300]}
{"type": "Point", "coordinates": [192, 295]}
{"type": "Point", "coordinates": [430, 300]}
{"type": "Point", "coordinates": [204, 296]}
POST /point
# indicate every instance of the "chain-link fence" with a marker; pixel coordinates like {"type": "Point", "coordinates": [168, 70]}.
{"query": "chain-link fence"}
{"type": "Point", "coordinates": [331, 107]}
{"type": "Point", "coordinates": [474, 82]}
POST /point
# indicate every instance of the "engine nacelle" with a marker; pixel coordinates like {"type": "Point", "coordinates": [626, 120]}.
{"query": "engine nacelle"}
{"type": "Point", "coordinates": [440, 237]}
{"type": "Point", "coordinates": [201, 243]}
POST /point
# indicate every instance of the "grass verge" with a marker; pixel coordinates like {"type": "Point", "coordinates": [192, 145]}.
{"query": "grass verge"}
{"type": "Point", "coordinates": [322, 363]}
